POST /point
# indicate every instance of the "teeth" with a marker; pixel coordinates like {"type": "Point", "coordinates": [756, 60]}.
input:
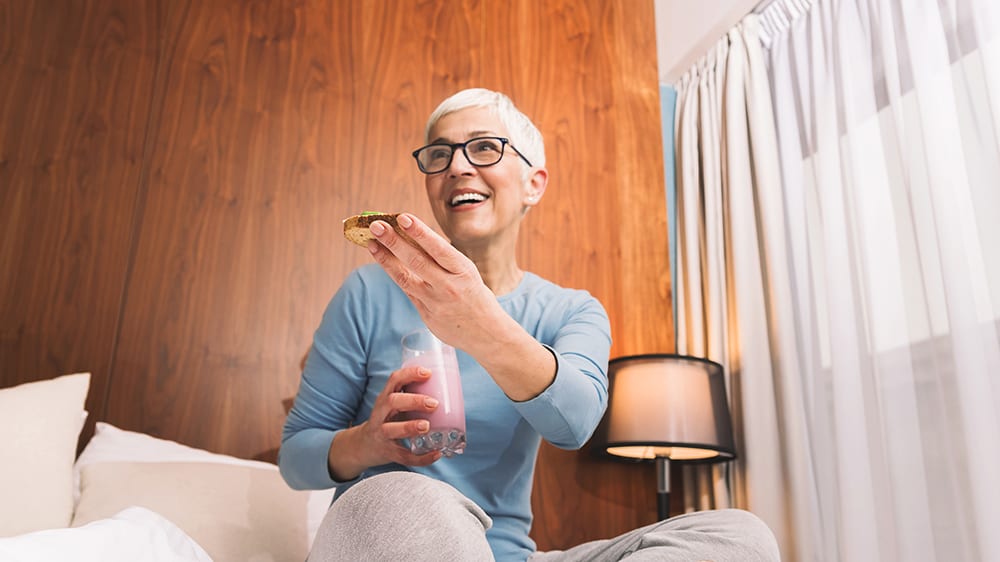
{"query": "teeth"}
{"type": "Point", "coordinates": [467, 197]}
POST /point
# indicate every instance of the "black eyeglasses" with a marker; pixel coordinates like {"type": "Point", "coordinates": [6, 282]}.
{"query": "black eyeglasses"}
{"type": "Point", "coordinates": [480, 152]}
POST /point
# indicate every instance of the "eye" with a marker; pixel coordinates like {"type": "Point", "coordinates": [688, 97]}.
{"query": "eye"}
{"type": "Point", "coordinates": [438, 152]}
{"type": "Point", "coordinates": [485, 145]}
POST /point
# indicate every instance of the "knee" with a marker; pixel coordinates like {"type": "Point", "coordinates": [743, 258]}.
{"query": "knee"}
{"type": "Point", "coordinates": [385, 517]}
{"type": "Point", "coordinates": [746, 531]}
{"type": "Point", "coordinates": [721, 535]}
{"type": "Point", "coordinates": [757, 533]}
{"type": "Point", "coordinates": [404, 496]}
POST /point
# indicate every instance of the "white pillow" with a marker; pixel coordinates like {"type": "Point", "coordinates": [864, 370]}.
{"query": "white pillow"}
{"type": "Point", "coordinates": [112, 444]}
{"type": "Point", "coordinates": [236, 513]}
{"type": "Point", "coordinates": [40, 424]}
{"type": "Point", "coordinates": [135, 534]}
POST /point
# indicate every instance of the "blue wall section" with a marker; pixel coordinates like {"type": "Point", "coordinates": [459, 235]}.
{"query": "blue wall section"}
{"type": "Point", "coordinates": [668, 100]}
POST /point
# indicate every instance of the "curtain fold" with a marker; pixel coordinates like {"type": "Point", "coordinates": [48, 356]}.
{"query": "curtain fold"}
{"type": "Point", "coordinates": [838, 184]}
{"type": "Point", "coordinates": [726, 155]}
{"type": "Point", "coordinates": [889, 155]}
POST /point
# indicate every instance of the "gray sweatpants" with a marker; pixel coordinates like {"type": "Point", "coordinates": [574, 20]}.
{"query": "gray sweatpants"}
{"type": "Point", "coordinates": [404, 516]}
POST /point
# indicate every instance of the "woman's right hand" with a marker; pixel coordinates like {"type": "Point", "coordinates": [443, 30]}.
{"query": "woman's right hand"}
{"type": "Point", "coordinates": [376, 441]}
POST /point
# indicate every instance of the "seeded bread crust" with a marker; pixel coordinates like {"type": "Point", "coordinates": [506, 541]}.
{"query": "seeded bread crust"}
{"type": "Point", "coordinates": [356, 227]}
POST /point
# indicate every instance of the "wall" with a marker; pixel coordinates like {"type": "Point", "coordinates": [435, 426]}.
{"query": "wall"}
{"type": "Point", "coordinates": [173, 175]}
{"type": "Point", "coordinates": [686, 30]}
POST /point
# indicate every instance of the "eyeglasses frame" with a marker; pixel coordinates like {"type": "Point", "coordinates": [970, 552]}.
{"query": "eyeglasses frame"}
{"type": "Point", "coordinates": [504, 143]}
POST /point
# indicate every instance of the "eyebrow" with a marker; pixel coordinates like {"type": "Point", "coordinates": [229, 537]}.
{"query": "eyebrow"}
{"type": "Point", "coordinates": [472, 135]}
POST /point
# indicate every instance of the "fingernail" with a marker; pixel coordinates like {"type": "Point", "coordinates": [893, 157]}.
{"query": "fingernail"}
{"type": "Point", "coordinates": [424, 372]}
{"type": "Point", "coordinates": [404, 221]}
{"type": "Point", "coordinates": [373, 247]}
{"type": "Point", "coordinates": [423, 425]}
{"type": "Point", "coordinates": [377, 228]}
{"type": "Point", "coordinates": [431, 402]}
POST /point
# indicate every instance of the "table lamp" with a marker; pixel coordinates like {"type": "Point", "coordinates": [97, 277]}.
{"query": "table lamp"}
{"type": "Point", "coordinates": [667, 408]}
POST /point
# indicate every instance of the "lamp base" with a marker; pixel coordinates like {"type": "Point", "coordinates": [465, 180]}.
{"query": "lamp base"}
{"type": "Point", "coordinates": [663, 505]}
{"type": "Point", "coordinates": [662, 488]}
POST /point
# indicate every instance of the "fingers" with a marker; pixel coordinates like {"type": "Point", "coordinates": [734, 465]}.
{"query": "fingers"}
{"type": "Point", "coordinates": [404, 429]}
{"type": "Point", "coordinates": [404, 376]}
{"type": "Point", "coordinates": [410, 459]}
{"type": "Point", "coordinates": [407, 402]}
{"type": "Point", "coordinates": [390, 443]}
{"type": "Point", "coordinates": [393, 401]}
{"type": "Point", "coordinates": [406, 457]}
{"type": "Point", "coordinates": [430, 247]}
{"type": "Point", "coordinates": [404, 276]}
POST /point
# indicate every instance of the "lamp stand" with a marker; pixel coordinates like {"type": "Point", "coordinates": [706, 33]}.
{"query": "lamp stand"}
{"type": "Point", "coordinates": [662, 488]}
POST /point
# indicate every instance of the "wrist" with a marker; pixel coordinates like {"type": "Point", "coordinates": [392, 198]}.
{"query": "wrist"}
{"type": "Point", "coordinates": [343, 458]}
{"type": "Point", "coordinates": [497, 335]}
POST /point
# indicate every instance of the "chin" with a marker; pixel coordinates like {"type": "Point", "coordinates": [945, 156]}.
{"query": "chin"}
{"type": "Point", "coordinates": [468, 237]}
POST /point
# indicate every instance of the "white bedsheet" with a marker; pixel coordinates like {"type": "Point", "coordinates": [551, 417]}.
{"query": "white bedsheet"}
{"type": "Point", "coordinates": [134, 534]}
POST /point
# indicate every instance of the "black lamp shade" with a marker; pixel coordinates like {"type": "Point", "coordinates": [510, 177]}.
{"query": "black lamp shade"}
{"type": "Point", "coordinates": [668, 406]}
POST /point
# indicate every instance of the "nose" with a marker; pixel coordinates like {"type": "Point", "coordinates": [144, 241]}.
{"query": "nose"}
{"type": "Point", "coordinates": [460, 164]}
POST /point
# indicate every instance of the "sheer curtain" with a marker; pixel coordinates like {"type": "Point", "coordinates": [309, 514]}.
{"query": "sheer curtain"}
{"type": "Point", "coordinates": [888, 126]}
{"type": "Point", "coordinates": [728, 178]}
{"type": "Point", "coordinates": [856, 299]}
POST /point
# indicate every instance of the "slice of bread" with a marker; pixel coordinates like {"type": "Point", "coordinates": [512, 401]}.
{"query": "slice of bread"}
{"type": "Point", "coordinates": [356, 227]}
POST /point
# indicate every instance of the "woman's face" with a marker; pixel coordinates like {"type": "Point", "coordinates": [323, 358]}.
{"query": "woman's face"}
{"type": "Point", "coordinates": [478, 206]}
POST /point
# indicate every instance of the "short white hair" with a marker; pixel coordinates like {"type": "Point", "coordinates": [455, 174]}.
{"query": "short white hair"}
{"type": "Point", "coordinates": [524, 135]}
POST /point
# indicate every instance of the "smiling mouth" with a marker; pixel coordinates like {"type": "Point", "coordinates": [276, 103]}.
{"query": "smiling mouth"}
{"type": "Point", "coordinates": [467, 199]}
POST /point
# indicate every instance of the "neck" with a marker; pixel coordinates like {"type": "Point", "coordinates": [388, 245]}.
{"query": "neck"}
{"type": "Point", "coordinates": [500, 278]}
{"type": "Point", "coordinates": [497, 266]}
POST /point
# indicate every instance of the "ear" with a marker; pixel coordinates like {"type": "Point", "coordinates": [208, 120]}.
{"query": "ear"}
{"type": "Point", "coordinates": [535, 186]}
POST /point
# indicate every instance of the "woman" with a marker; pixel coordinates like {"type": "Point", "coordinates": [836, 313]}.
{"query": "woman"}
{"type": "Point", "coordinates": [532, 355]}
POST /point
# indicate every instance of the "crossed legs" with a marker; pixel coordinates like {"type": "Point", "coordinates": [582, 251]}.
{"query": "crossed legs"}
{"type": "Point", "coordinates": [408, 516]}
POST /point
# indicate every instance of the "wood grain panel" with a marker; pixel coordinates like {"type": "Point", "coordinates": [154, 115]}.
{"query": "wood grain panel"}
{"type": "Point", "coordinates": [238, 251]}
{"type": "Point", "coordinates": [275, 124]}
{"type": "Point", "coordinates": [74, 107]}
{"type": "Point", "coordinates": [647, 322]}
{"type": "Point", "coordinates": [212, 248]}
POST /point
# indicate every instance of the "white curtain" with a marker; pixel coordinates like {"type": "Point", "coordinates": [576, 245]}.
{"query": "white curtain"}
{"type": "Point", "coordinates": [855, 298]}
{"type": "Point", "coordinates": [728, 178]}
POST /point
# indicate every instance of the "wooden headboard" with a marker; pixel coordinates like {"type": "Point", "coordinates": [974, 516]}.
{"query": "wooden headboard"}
{"type": "Point", "coordinates": [173, 176]}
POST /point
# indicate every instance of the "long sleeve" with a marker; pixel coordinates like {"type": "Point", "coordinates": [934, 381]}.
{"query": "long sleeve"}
{"type": "Point", "coordinates": [568, 411]}
{"type": "Point", "coordinates": [357, 347]}
{"type": "Point", "coordinates": [331, 391]}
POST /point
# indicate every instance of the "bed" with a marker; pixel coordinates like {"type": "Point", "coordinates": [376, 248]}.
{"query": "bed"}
{"type": "Point", "coordinates": [133, 497]}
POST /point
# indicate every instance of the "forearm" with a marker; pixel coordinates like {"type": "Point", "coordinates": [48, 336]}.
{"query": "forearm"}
{"type": "Point", "coordinates": [521, 366]}
{"type": "Point", "coordinates": [563, 400]}
{"type": "Point", "coordinates": [303, 459]}
{"type": "Point", "coordinates": [567, 412]}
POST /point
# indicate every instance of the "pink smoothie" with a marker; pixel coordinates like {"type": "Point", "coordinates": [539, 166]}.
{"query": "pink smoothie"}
{"type": "Point", "coordinates": [445, 384]}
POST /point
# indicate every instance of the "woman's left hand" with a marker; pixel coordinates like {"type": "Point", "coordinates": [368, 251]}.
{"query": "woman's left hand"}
{"type": "Point", "coordinates": [442, 283]}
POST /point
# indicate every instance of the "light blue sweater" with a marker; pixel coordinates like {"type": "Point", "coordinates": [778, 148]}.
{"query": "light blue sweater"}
{"type": "Point", "coordinates": [357, 346]}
